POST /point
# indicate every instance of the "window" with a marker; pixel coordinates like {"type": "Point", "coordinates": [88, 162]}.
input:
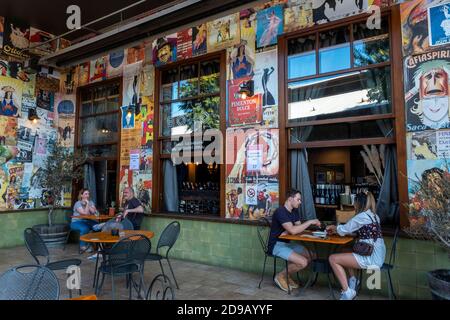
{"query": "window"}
{"type": "Point", "coordinates": [189, 103]}
{"type": "Point", "coordinates": [339, 73]}
{"type": "Point", "coordinates": [98, 137]}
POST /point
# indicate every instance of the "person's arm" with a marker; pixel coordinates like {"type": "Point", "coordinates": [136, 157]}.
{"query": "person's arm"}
{"type": "Point", "coordinates": [92, 208]}
{"type": "Point", "coordinates": [82, 210]}
{"type": "Point", "coordinates": [290, 228]}
{"type": "Point", "coordinates": [353, 224]}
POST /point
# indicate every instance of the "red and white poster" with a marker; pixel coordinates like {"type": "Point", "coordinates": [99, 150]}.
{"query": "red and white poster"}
{"type": "Point", "coordinates": [184, 44]}
{"type": "Point", "coordinates": [242, 111]}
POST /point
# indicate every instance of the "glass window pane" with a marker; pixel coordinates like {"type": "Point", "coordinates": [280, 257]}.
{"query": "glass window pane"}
{"type": "Point", "coordinates": [334, 58]}
{"type": "Point", "coordinates": [302, 65]}
{"type": "Point", "coordinates": [86, 108]}
{"type": "Point", "coordinates": [350, 94]}
{"type": "Point", "coordinates": [169, 85]}
{"type": "Point", "coordinates": [100, 105]}
{"type": "Point", "coordinates": [210, 77]}
{"type": "Point", "coordinates": [302, 57]}
{"type": "Point", "coordinates": [188, 81]}
{"type": "Point", "coordinates": [361, 31]}
{"type": "Point", "coordinates": [166, 120]}
{"type": "Point", "coordinates": [343, 131]}
{"type": "Point", "coordinates": [334, 50]}
{"type": "Point", "coordinates": [109, 150]}
{"type": "Point", "coordinates": [101, 129]}
{"type": "Point", "coordinates": [375, 50]}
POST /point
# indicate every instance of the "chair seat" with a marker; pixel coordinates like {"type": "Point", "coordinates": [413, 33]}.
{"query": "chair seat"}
{"type": "Point", "coordinates": [127, 269]}
{"type": "Point", "coordinates": [154, 257]}
{"type": "Point", "coordinates": [387, 266]}
{"type": "Point", "coordinates": [63, 264]}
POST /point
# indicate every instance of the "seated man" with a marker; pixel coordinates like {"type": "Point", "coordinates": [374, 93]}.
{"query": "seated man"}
{"type": "Point", "coordinates": [286, 220]}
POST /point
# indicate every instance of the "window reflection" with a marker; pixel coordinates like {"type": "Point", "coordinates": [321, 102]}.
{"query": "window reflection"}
{"type": "Point", "coordinates": [350, 94]}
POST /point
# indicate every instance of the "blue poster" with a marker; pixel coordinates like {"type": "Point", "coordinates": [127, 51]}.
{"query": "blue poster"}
{"type": "Point", "coordinates": [127, 117]}
{"type": "Point", "coordinates": [439, 24]}
{"type": "Point", "coordinates": [269, 24]}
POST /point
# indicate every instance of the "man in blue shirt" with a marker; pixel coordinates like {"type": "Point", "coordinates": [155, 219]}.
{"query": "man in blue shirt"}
{"type": "Point", "coordinates": [286, 220]}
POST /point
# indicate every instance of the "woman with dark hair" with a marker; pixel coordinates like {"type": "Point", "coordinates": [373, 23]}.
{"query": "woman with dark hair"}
{"type": "Point", "coordinates": [83, 207]}
{"type": "Point", "coordinates": [366, 224]}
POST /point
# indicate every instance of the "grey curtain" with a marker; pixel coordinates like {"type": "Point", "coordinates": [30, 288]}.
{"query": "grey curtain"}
{"type": "Point", "coordinates": [300, 181]}
{"type": "Point", "coordinates": [170, 186]}
{"type": "Point", "coordinates": [89, 181]}
{"type": "Point", "coordinates": [388, 202]}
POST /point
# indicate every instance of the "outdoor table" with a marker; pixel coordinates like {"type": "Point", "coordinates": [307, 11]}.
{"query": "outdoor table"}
{"type": "Point", "coordinates": [333, 241]}
{"type": "Point", "coordinates": [105, 237]}
{"type": "Point", "coordinates": [99, 218]}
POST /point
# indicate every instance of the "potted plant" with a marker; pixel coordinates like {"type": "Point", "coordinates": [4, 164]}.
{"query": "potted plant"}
{"type": "Point", "coordinates": [429, 213]}
{"type": "Point", "coordinates": [61, 168]}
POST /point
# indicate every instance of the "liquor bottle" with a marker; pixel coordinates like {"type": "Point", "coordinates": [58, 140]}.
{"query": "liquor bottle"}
{"type": "Point", "coordinates": [333, 195]}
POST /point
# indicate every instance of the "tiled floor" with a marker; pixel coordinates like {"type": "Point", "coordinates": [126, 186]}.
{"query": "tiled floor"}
{"type": "Point", "coordinates": [196, 281]}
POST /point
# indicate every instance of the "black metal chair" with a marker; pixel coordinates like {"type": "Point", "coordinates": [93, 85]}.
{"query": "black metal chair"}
{"type": "Point", "coordinates": [29, 282]}
{"type": "Point", "coordinates": [263, 236]}
{"type": "Point", "coordinates": [37, 248]}
{"type": "Point", "coordinates": [387, 267]}
{"type": "Point", "coordinates": [161, 288]}
{"type": "Point", "coordinates": [125, 258]}
{"type": "Point", "coordinates": [167, 239]}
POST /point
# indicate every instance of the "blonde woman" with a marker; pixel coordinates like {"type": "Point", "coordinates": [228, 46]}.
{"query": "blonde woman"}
{"type": "Point", "coordinates": [366, 224]}
{"type": "Point", "coordinates": [83, 207]}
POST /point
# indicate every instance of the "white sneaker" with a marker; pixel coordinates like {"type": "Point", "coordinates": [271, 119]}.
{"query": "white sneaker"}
{"type": "Point", "coordinates": [353, 283]}
{"type": "Point", "coordinates": [350, 294]}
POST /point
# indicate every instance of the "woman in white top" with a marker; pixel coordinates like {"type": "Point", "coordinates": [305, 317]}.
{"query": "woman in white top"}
{"type": "Point", "coordinates": [81, 208]}
{"type": "Point", "coordinates": [366, 224]}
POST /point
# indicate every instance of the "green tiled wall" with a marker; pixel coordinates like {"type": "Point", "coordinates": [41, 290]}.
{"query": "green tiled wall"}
{"type": "Point", "coordinates": [237, 246]}
{"type": "Point", "coordinates": [13, 224]}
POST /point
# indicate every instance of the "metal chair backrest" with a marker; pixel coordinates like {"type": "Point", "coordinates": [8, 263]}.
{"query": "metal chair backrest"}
{"type": "Point", "coordinates": [35, 245]}
{"type": "Point", "coordinates": [131, 249]}
{"type": "Point", "coordinates": [29, 282]}
{"type": "Point", "coordinates": [127, 224]}
{"type": "Point", "coordinates": [161, 288]}
{"type": "Point", "coordinates": [169, 236]}
{"type": "Point", "coordinates": [394, 247]}
{"type": "Point", "coordinates": [263, 229]}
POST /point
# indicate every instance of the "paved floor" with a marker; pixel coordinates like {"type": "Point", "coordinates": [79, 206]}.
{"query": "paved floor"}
{"type": "Point", "coordinates": [196, 281]}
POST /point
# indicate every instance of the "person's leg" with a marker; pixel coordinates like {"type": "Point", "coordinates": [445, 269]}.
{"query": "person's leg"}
{"type": "Point", "coordinates": [339, 262]}
{"type": "Point", "coordinates": [82, 228]}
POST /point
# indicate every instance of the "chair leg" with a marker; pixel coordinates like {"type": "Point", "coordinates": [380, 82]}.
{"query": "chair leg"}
{"type": "Point", "coordinates": [130, 285]}
{"type": "Point", "coordinates": [96, 267]}
{"type": "Point", "coordinates": [112, 287]}
{"type": "Point", "coordinates": [99, 287]}
{"type": "Point", "coordinates": [264, 269]}
{"type": "Point", "coordinates": [390, 287]}
{"type": "Point", "coordinates": [162, 269]}
{"type": "Point", "coordinates": [173, 275]}
{"type": "Point", "coordinates": [274, 267]}
{"type": "Point", "coordinates": [287, 278]}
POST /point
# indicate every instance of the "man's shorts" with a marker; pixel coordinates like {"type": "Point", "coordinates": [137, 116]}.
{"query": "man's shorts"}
{"type": "Point", "coordinates": [285, 249]}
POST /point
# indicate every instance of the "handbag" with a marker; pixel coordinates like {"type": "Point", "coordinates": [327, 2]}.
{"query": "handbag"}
{"type": "Point", "coordinates": [363, 248]}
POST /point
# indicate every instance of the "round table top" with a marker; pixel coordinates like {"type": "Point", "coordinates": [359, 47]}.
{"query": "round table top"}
{"type": "Point", "coordinates": [106, 237]}
{"type": "Point", "coordinates": [101, 217]}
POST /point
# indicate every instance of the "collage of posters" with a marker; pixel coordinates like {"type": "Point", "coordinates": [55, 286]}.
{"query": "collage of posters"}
{"type": "Point", "coordinates": [223, 32]}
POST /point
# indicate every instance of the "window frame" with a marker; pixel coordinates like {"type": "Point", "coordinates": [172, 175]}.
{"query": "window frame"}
{"type": "Point", "coordinates": [79, 118]}
{"type": "Point", "coordinates": [158, 156]}
{"type": "Point", "coordinates": [316, 31]}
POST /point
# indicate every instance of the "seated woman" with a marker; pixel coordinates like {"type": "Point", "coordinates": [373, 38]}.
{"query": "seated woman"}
{"type": "Point", "coordinates": [366, 224]}
{"type": "Point", "coordinates": [82, 208]}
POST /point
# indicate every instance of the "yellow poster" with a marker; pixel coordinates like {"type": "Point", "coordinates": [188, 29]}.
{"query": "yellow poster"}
{"type": "Point", "coordinates": [10, 97]}
{"type": "Point", "coordinates": [223, 32]}
{"type": "Point", "coordinates": [130, 139]}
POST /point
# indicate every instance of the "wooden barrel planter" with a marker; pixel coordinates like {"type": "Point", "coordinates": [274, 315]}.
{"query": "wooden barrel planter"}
{"type": "Point", "coordinates": [53, 235]}
{"type": "Point", "coordinates": [439, 282]}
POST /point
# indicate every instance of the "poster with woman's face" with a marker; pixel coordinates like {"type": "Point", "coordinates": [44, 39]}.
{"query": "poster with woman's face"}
{"type": "Point", "coordinates": [223, 32]}
{"type": "Point", "coordinates": [242, 61]}
{"type": "Point", "coordinates": [427, 90]}
{"type": "Point", "coordinates": [199, 40]}
{"type": "Point", "coordinates": [10, 97]}
{"type": "Point", "coordinates": [248, 27]}
{"type": "Point", "coordinates": [269, 24]}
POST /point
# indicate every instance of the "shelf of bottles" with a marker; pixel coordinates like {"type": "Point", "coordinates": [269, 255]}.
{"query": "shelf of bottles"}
{"type": "Point", "coordinates": [328, 195]}
{"type": "Point", "coordinates": [199, 198]}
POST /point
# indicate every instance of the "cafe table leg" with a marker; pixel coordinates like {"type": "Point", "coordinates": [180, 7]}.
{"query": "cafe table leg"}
{"type": "Point", "coordinates": [100, 249]}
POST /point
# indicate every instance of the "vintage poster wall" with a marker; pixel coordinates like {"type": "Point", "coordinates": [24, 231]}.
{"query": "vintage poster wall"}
{"type": "Point", "coordinates": [116, 61]}
{"type": "Point", "coordinates": [199, 40]}
{"type": "Point", "coordinates": [135, 54]}
{"type": "Point", "coordinates": [38, 37]}
{"type": "Point", "coordinates": [242, 111]}
{"type": "Point", "coordinates": [248, 28]}
{"type": "Point", "coordinates": [427, 90]}
{"type": "Point", "coordinates": [142, 185]}
{"type": "Point", "coordinates": [97, 70]}
{"type": "Point", "coordinates": [184, 44]}
{"type": "Point", "coordinates": [422, 145]}
{"type": "Point", "coordinates": [241, 61]}
{"type": "Point", "coordinates": [2, 31]}
{"type": "Point", "coordinates": [83, 73]}
{"type": "Point", "coordinates": [165, 50]}
{"type": "Point", "coordinates": [65, 109]}
{"type": "Point", "coordinates": [16, 38]}
{"type": "Point", "coordinates": [10, 97]}
{"type": "Point", "coordinates": [131, 84]}
{"type": "Point", "coordinates": [223, 32]}
{"type": "Point", "coordinates": [329, 10]}
{"type": "Point", "coordinates": [298, 14]}
{"type": "Point", "coordinates": [268, 26]}
{"type": "Point", "coordinates": [439, 24]}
